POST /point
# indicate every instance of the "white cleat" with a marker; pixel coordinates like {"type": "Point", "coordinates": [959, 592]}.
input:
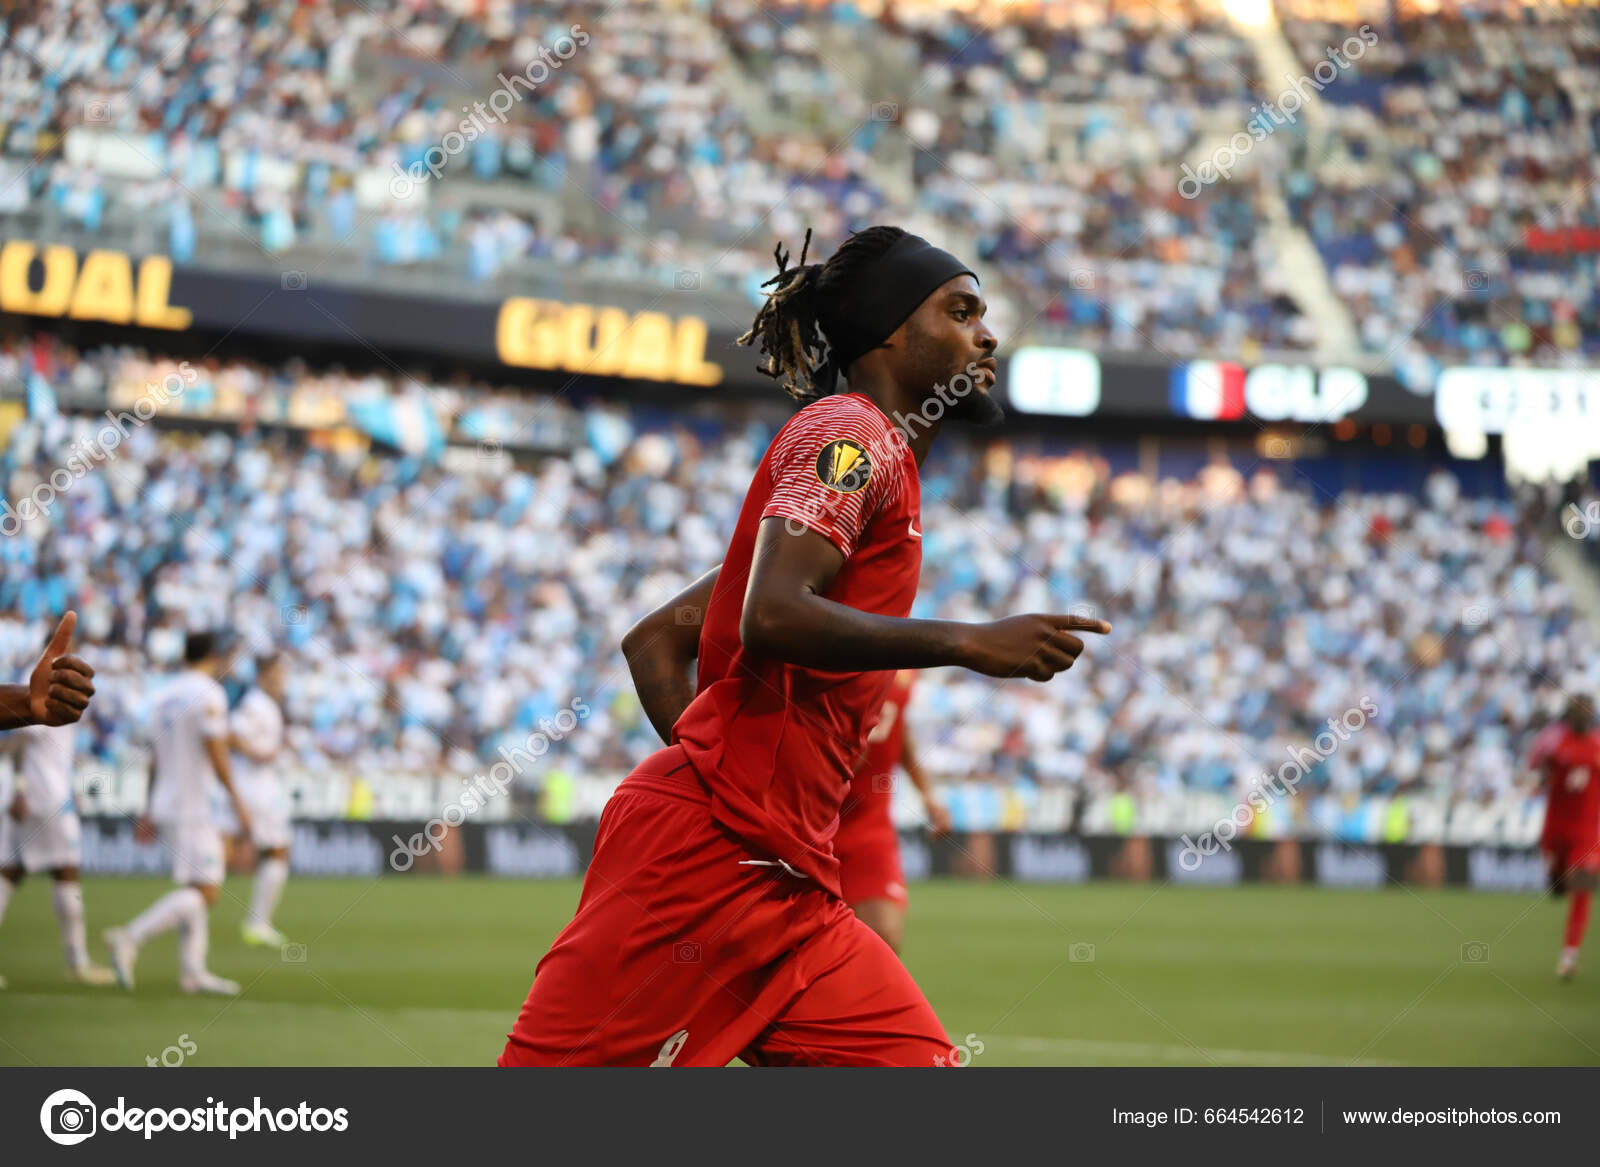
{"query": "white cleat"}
{"type": "Point", "coordinates": [94, 974]}
{"type": "Point", "coordinates": [1567, 966]}
{"type": "Point", "coordinates": [124, 953]}
{"type": "Point", "coordinates": [208, 982]}
{"type": "Point", "coordinates": [263, 936]}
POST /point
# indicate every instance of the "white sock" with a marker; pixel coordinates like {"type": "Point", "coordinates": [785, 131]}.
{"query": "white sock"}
{"type": "Point", "coordinates": [68, 900]}
{"type": "Point", "coordinates": [194, 935]}
{"type": "Point", "coordinates": [270, 878]}
{"type": "Point", "coordinates": [165, 914]}
{"type": "Point", "coordinates": [6, 888]}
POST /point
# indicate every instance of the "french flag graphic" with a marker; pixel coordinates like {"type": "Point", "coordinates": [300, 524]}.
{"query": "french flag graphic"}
{"type": "Point", "coordinates": [1213, 390]}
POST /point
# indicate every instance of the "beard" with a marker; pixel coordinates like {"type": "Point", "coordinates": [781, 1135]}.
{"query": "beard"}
{"type": "Point", "coordinates": [972, 404]}
{"type": "Point", "coordinates": [977, 408]}
{"type": "Point", "coordinates": [929, 363]}
{"type": "Point", "coordinates": [962, 399]}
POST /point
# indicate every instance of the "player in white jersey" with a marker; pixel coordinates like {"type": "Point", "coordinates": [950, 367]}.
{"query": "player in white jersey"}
{"type": "Point", "coordinates": [257, 734]}
{"type": "Point", "coordinates": [39, 832]}
{"type": "Point", "coordinates": [189, 733]}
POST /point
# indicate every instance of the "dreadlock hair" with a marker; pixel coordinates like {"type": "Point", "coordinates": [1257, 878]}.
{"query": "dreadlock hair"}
{"type": "Point", "coordinates": [790, 327]}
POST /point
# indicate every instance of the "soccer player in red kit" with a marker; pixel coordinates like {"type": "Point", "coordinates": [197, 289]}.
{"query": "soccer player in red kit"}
{"type": "Point", "coordinates": [1568, 754]}
{"type": "Point", "coordinates": [867, 845]}
{"type": "Point", "coordinates": [711, 925]}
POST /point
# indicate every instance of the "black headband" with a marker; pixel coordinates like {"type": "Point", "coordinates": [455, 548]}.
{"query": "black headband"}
{"type": "Point", "coordinates": [882, 296]}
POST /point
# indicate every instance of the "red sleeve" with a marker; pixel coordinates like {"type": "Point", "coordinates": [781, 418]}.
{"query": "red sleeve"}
{"type": "Point", "coordinates": [834, 466]}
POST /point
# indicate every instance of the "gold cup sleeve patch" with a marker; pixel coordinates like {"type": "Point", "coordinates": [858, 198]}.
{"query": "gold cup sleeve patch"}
{"type": "Point", "coordinates": [843, 465]}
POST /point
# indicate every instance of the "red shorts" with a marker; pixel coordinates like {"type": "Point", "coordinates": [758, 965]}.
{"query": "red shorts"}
{"type": "Point", "coordinates": [683, 953]}
{"type": "Point", "coordinates": [869, 863]}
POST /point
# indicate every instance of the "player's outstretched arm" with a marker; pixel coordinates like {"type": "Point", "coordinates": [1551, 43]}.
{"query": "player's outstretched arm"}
{"type": "Point", "coordinates": [660, 648]}
{"type": "Point", "coordinates": [786, 616]}
{"type": "Point", "coordinates": [58, 690]}
{"type": "Point", "coordinates": [14, 711]}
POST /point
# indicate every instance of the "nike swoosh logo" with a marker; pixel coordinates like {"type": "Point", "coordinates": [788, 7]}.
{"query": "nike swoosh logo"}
{"type": "Point", "coordinates": [915, 534]}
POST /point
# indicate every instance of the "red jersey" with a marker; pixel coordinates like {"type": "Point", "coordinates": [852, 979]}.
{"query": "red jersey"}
{"type": "Point", "coordinates": [776, 743]}
{"type": "Point", "coordinates": [868, 798]}
{"type": "Point", "coordinates": [1572, 766]}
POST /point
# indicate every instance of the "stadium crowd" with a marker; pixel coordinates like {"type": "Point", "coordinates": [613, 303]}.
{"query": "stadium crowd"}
{"type": "Point", "coordinates": [1457, 209]}
{"type": "Point", "coordinates": [302, 121]}
{"type": "Point", "coordinates": [1452, 201]}
{"type": "Point", "coordinates": [433, 615]}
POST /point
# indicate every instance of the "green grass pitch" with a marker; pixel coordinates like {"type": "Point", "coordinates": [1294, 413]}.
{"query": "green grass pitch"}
{"type": "Point", "coordinates": [431, 971]}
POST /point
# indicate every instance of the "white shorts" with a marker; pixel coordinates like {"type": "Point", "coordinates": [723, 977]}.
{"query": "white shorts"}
{"type": "Point", "coordinates": [196, 853]}
{"type": "Point", "coordinates": [269, 818]}
{"type": "Point", "coordinates": [41, 843]}
{"type": "Point", "coordinates": [269, 827]}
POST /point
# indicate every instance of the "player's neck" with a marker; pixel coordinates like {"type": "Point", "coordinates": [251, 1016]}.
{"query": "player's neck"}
{"type": "Point", "coordinates": [907, 416]}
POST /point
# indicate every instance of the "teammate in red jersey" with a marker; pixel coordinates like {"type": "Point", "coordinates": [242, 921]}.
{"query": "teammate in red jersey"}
{"type": "Point", "coordinates": [710, 924]}
{"type": "Point", "coordinates": [1568, 754]}
{"type": "Point", "coordinates": [867, 845]}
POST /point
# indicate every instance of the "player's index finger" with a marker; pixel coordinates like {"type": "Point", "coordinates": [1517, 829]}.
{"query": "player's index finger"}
{"type": "Point", "coordinates": [1082, 624]}
{"type": "Point", "coordinates": [63, 635]}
